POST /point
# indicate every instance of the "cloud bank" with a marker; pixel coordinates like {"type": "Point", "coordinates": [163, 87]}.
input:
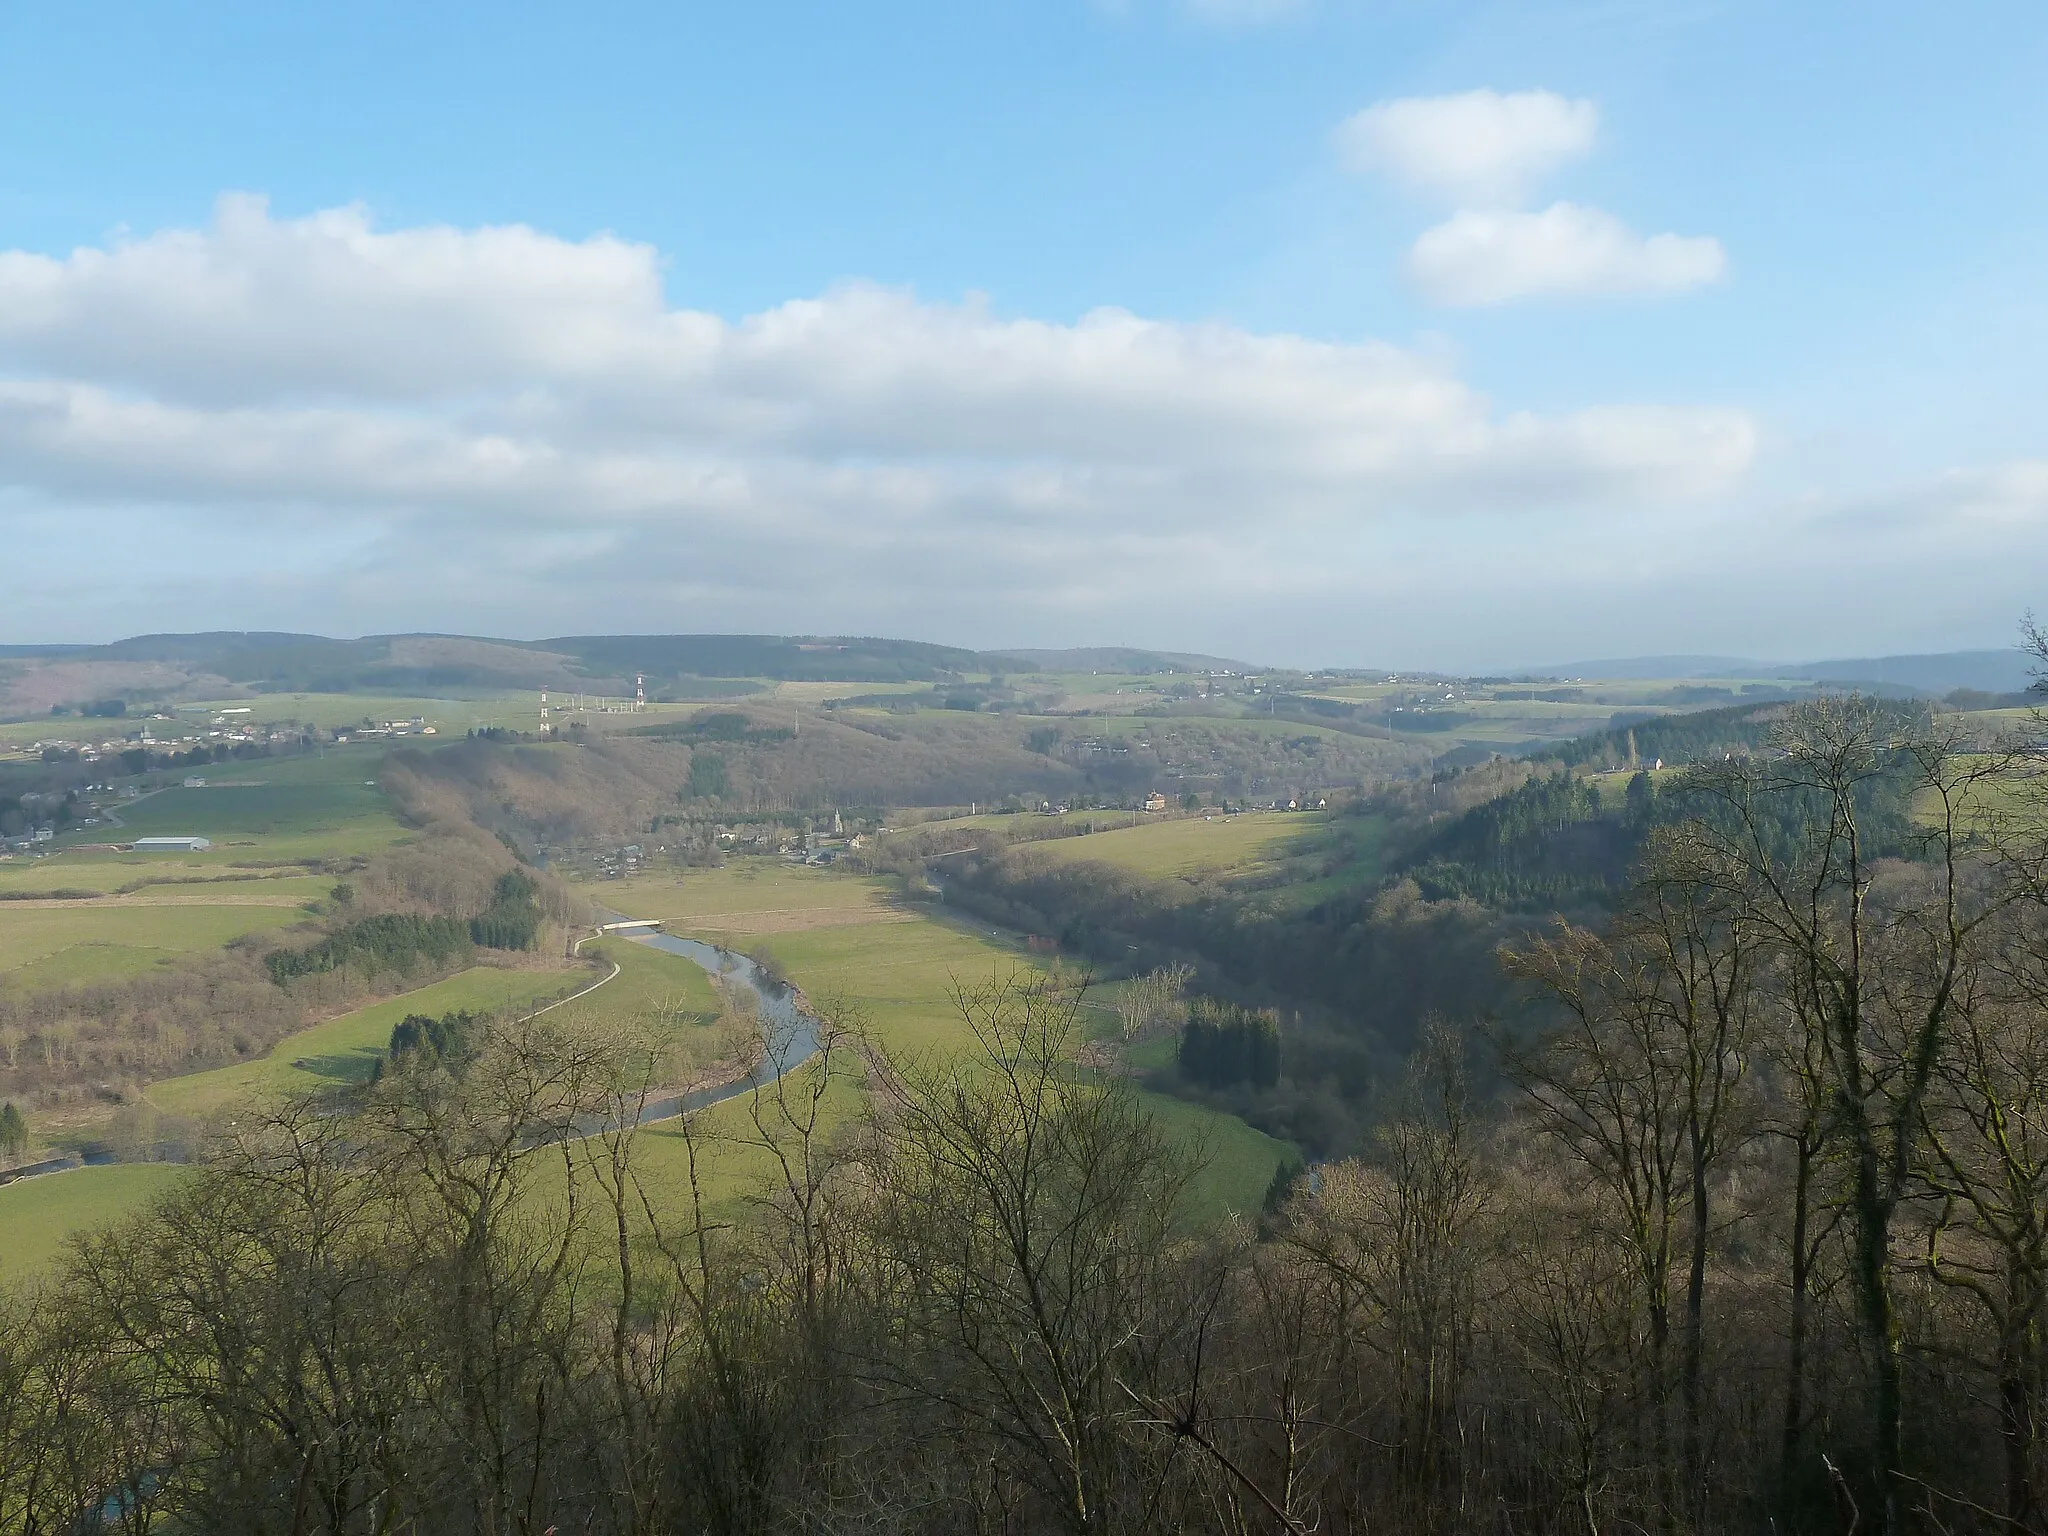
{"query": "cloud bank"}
{"type": "Point", "coordinates": [400, 393]}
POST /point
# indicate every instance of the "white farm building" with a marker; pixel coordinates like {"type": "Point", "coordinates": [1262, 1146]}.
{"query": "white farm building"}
{"type": "Point", "coordinates": [172, 844]}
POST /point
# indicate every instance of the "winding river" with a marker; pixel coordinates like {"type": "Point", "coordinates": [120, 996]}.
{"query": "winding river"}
{"type": "Point", "coordinates": [789, 1034]}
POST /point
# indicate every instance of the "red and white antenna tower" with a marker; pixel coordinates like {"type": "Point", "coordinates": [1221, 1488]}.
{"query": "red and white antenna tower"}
{"type": "Point", "coordinates": [543, 711]}
{"type": "Point", "coordinates": [639, 690]}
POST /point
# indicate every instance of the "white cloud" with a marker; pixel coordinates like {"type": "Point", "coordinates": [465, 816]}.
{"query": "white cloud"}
{"type": "Point", "coordinates": [320, 383]}
{"type": "Point", "coordinates": [1566, 251]}
{"type": "Point", "coordinates": [1482, 147]}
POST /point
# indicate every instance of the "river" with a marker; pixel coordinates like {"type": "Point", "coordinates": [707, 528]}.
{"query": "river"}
{"type": "Point", "coordinates": [789, 1035]}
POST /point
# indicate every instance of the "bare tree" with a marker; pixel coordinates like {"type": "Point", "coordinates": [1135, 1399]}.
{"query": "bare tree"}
{"type": "Point", "coordinates": [1402, 1243]}
{"type": "Point", "coordinates": [1800, 835]}
{"type": "Point", "coordinates": [1029, 1220]}
{"type": "Point", "coordinates": [1609, 1088]}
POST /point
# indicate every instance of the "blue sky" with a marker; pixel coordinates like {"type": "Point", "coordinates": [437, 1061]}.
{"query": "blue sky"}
{"type": "Point", "coordinates": [1375, 333]}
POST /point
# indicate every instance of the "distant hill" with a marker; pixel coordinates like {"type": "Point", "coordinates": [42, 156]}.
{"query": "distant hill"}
{"type": "Point", "coordinates": [167, 668]}
{"type": "Point", "coordinates": [1110, 658]}
{"type": "Point", "coordinates": [2000, 671]}
{"type": "Point", "coordinates": [2003, 671]}
{"type": "Point", "coordinates": [171, 667]}
{"type": "Point", "coordinates": [807, 658]}
{"type": "Point", "coordinates": [1634, 668]}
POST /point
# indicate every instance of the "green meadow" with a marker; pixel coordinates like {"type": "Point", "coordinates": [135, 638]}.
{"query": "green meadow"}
{"type": "Point", "coordinates": [752, 896]}
{"type": "Point", "coordinates": [346, 1049]}
{"type": "Point", "coordinates": [270, 808]}
{"type": "Point", "coordinates": [105, 872]}
{"type": "Point", "coordinates": [268, 818]}
{"type": "Point", "coordinates": [1190, 845]}
{"type": "Point", "coordinates": [37, 1215]}
{"type": "Point", "coordinates": [896, 981]}
{"type": "Point", "coordinates": [79, 942]}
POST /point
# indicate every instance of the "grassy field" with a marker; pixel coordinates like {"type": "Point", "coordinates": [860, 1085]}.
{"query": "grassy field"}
{"type": "Point", "coordinates": [1023, 825]}
{"type": "Point", "coordinates": [669, 990]}
{"type": "Point", "coordinates": [346, 1049]}
{"type": "Point", "coordinates": [37, 1215]}
{"type": "Point", "coordinates": [898, 980]}
{"type": "Point", "coordinates": [822, 927]}
{"type": "Point", "coordinates": [753, 896]}
{"type": "Point", "coordinates": [147, 877]}
{"type": "Point", "coordinates": [328, 710]}
{"type": "Point", "coordinates": [76, 941]}
{"type": "Point", "coordinates": [1357, 847]}
{"type": "Point", "coordinates": [279, 812]}
{"type": "Point", "coordinates": [817, 692]}
{"type": "Point", "coordinates": [1191, 845]}
{"type": "Point", "coordinates": [325, 710]}
{"type": "Point", "coordinates": [649, 981]}
{"type": "Point", "coordinates": [278, 808]}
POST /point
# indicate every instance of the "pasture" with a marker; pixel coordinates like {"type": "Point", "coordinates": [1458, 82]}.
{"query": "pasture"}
{"type": "Point", "coordinates": [157, 877]}
{"type": "Point", "coordinates": [752, 897]}
{"type": "Point", "coordinates": [65, 943]}
{"type": "Point", "coordinates": [346, 1049]}
{"type": "Point", "coordinates": [289, 808]}
{"type": "Point", "coordinates": [1189, 845]}
{"type": "Point", "coordinates": [38, 1215]}
{"type": "Point", "coordinates": [896, 981]}
{"type": "Point", "coordinates": [147, 907]}
{"type": "Point", "coordinates": [1025, 826]}
{"type": "Point", "coordinates": [670, 992]}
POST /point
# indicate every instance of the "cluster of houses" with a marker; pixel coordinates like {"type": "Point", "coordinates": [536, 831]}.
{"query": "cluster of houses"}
{"type": "Point", "coordinates": [229, 734]}
{"type": "Point", "coordinates": [225, 727]}
{"type": "Point", "coordinates": [416, 726]}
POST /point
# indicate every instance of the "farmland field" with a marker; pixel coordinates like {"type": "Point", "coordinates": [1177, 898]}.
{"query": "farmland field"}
{"type": "Point", "coordinates": [37, 1215]}
{"type": "Point", "coordinates": [268, 807]}
{"type": "Point", "coordinates": [1022, 826]}
{"type": "Point", "coordinates": [147, 907]}
{"type": "Point", "coordinates": [670, 992]}
{"type": "Point", "coordinates": [754, 896]}
{"type": "Point", "coordinates": [897, 979]}
{"type": "Point", "coordinates": [69, 942]}
{"type": "Point", "coordinates": [346, 1049]}
{"type": "Point", "coordinates": [1189, 845]}
{"type": "Point", "coordinates": [147, 877]}
{"type": "Point", "coordinates": [649, 981]}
